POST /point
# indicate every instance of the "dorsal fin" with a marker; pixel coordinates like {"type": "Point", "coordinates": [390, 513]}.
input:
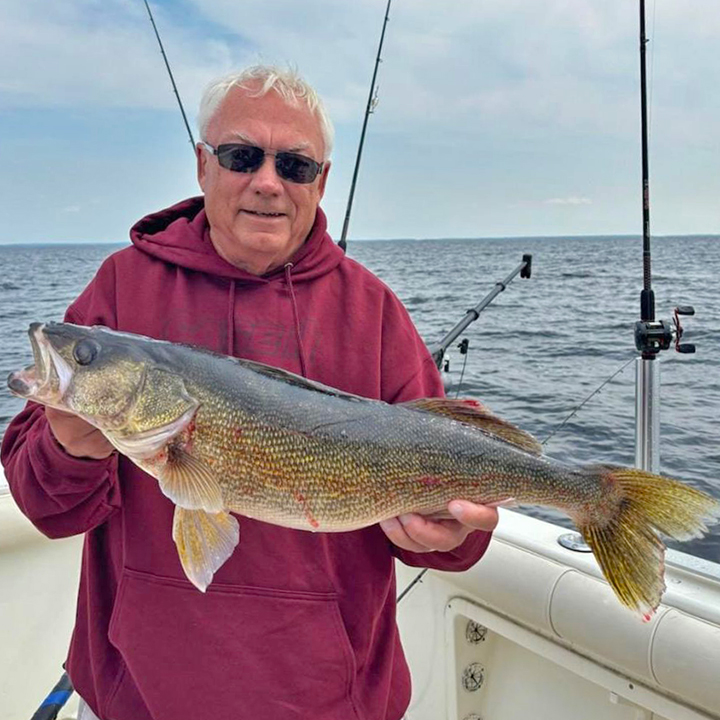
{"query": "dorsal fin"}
{"type": "Point", "coordinates": [474, 413]}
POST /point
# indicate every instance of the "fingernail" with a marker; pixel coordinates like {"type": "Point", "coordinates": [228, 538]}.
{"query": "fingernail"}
{"type": "Point", "coordinates": [456, 508]}
{"type": "Point", "coordinates": [405, 519]}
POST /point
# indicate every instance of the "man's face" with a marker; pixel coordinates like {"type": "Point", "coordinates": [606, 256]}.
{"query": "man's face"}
{"type": "Point", "coordinates": [233, 201]}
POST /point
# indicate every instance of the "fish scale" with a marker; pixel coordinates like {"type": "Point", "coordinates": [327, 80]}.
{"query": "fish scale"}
{"type": "Point", "coordinates": [227, 437]}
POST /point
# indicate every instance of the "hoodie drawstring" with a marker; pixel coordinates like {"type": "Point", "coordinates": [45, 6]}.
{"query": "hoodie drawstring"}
{"type": "Point", "coordinates": [231, 319]}
{"type": "Point", "coordinates": [301, 351]}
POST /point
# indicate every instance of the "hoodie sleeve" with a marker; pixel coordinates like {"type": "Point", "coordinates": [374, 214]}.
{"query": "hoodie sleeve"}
{"type": "Point", "coordinates": [60, 494]}
{"type": "Point", "coordinates": [409, 373]}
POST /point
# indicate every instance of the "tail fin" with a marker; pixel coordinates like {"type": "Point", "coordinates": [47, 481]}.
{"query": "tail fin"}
{"type": "Point", "coordinates": [628, 548]}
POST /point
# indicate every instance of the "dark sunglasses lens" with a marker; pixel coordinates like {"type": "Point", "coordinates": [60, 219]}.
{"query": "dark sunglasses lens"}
{"type": "Point", "coordinates": [296, 168]}
{"type": "Point", "coordinates": [240, 158]}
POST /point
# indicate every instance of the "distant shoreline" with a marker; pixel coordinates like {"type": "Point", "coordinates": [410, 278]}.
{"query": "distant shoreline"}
{"type": "Point", "coordinates": [693, 236]}
{"type": "Point", "coordinates": [82, 243]}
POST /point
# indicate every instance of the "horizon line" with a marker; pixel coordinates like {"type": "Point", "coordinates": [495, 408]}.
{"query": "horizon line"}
{"type": "Point", "coordinates": [634, 236]}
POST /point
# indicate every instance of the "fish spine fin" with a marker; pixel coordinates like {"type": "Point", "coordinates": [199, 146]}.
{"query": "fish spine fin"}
{"type": "Point", "coordinates": [475, 414]}
{"type": "Point", "coordinates": [204, 542]}
{"type": "Point", "coordinates": [628, 546]}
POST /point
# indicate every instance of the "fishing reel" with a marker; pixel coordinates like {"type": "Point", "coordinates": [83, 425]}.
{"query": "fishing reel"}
{"type": "Point", "coordinates": [652, 336]}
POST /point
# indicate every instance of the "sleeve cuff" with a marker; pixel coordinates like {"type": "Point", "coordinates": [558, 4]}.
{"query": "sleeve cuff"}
{"type": "Point", "coordinates": [49, 457]}
{"type": "Point", "coordinates": [457, 560]}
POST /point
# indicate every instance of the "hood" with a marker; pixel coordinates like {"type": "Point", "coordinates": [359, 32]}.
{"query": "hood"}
{"type": "Point", "coordinates": [180, 235]}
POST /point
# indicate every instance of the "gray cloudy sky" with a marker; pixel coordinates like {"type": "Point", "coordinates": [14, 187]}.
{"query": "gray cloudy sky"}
{"type": "Point", "coordinates": [496, 117]}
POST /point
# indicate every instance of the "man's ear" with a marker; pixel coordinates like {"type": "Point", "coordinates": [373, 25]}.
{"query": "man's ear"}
{"type": "Point", "coordinates": [323, 178]}
{"type": "Point", "coordinates": [201, 156]}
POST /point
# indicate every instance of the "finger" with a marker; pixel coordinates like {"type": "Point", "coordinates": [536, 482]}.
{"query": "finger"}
{"type": "Point", "coordinates": [438, 515]}
{"type": "Point", "coordinates": [68, 423]}
{"type": "Point", "coordinates": [478, 517]}
{"type": "Point", "coordinates": [397, 535]}
{"type": "Point", "coordinates": [78, 437]}
{"type": "Point", "coordinates": [55, 412]}
{"type": "Point", "coordinates": [441, 535]}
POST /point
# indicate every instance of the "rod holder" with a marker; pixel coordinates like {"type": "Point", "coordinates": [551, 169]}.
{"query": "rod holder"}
{"type": "Point", "coordinates": [647, 414]}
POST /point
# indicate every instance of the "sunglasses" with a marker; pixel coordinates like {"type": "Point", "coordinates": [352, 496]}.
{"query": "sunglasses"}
{"type": "Point", "coordinates": [238, 157]}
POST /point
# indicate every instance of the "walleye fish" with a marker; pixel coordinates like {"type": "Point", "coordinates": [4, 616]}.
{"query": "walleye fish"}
{"type": "Point", "coordinates": [224, 435]}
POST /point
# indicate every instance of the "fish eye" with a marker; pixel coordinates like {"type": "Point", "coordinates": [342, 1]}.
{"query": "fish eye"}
{"type": "Point", "coordinates": [85, 352]}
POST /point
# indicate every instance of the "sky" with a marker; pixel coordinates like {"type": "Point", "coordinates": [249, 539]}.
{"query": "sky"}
{"type": "Point", "coordinates": [495, 118]}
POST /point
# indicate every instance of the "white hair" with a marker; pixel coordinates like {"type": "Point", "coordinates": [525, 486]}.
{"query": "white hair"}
{"type": "Point", "coordinates": [257, 81]}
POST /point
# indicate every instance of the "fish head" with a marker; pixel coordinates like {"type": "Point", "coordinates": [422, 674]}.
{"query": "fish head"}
{"type": "Point", "coordinates": [92, 372]}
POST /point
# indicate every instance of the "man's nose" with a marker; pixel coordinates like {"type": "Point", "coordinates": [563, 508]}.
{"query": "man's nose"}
{"type": "Point", "coordinates": [265, 179]}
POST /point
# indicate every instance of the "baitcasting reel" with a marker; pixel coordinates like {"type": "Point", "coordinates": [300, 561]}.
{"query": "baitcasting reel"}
{"type": "Point", "coordinates": [655, 335]}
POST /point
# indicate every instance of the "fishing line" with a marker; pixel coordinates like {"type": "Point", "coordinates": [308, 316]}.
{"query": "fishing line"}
{"type": "Point", "coordinates": [646, 268]}
{"type": "Point", "coordinates": [420, 575]}
{"type": "Point", "coordinates": [464, 350]}
{"type": "Point", "coordinates": [462, 374]}
{"type": "Point", "coordinates": [586, 400]}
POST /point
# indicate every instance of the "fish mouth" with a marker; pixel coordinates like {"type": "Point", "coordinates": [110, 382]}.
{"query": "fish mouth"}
{"type": "Point", "coordinates": [49, 378]}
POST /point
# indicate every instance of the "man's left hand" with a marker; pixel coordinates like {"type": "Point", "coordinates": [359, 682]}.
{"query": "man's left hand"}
{"type": "Point", "coordinates": [422, 534]}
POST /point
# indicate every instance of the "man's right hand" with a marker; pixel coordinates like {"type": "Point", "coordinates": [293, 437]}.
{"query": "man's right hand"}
{"type": "Point", "coordinates": [77, 437]}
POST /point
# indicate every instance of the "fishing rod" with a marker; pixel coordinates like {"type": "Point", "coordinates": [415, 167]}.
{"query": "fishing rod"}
{"type": "Point", "coordinates": [651, 335]}
{"type": "Point", "coordinates": [524, 269]}
{"type": "Point", "coordinates": [55, 701]}
{"type": "Point", "coordinates": [59, 695]}
{"type": "Point", "coordinates": [172, 79]}
{"type": "Point", "coordinates": [371, 103]}
{"type": "Point", "coordinates": [438, 350]}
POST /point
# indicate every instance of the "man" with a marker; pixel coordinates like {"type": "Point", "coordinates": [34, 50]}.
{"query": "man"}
{"type": "Point", "coordinates": [295, 624]}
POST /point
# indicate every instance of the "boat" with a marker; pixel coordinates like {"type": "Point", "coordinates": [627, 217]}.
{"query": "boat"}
{"type": "Point", "coordinates": [532, 630]}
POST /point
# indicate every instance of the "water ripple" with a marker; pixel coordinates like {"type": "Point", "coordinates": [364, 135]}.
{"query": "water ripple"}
{"type": "Point", "coordinates": [540, 349]}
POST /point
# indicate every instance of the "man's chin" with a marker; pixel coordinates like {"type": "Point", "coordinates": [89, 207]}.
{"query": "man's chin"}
{"type": "Point", "coordinates": [256, 252]}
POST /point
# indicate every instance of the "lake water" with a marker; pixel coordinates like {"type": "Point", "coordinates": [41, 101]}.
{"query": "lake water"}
{"type": "Point", "coordinates": [536, 353]}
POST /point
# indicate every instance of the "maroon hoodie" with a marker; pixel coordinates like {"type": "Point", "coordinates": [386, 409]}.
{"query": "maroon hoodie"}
{"type": "Point", "coordinates": [295, 625]}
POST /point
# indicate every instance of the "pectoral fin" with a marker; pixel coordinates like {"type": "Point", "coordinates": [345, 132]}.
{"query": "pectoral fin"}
{"type": "Point", "coordinates": [148, 443]}
{"type": "Point", "coordinates": [189, 482]}
{"type": "Point", "coordinates": [204, 542]}
{"type": "Point", "coordinates": [472, 412]}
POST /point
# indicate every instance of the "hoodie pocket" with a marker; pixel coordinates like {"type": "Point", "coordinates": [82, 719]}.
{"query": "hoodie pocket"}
{"type": "Point", "coordinates": [232, 653]}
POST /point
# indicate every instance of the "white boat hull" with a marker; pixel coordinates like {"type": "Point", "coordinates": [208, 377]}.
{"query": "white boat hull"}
{"type": "Point", "coordinates": [38, 589]}
{"type": "Point", "coordinates": [557, 644]}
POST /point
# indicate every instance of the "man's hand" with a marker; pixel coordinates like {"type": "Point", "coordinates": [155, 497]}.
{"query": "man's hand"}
{"type": "Point", "coordinates": [422, 534]}
{"type": "Point", "coordinates": [77, 437]}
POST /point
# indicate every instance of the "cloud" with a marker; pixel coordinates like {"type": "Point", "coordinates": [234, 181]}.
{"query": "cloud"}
{"type": "Point", "coordinates": [572, 200]}
{"type": "Point", "coordinates": [479, 103]}
{"type": "Point", "coordinates": [572, 66]}
{"type": "Point", "coordinates": [71, 209]}
{"type": "Point", "coordinates": [87, 54]}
